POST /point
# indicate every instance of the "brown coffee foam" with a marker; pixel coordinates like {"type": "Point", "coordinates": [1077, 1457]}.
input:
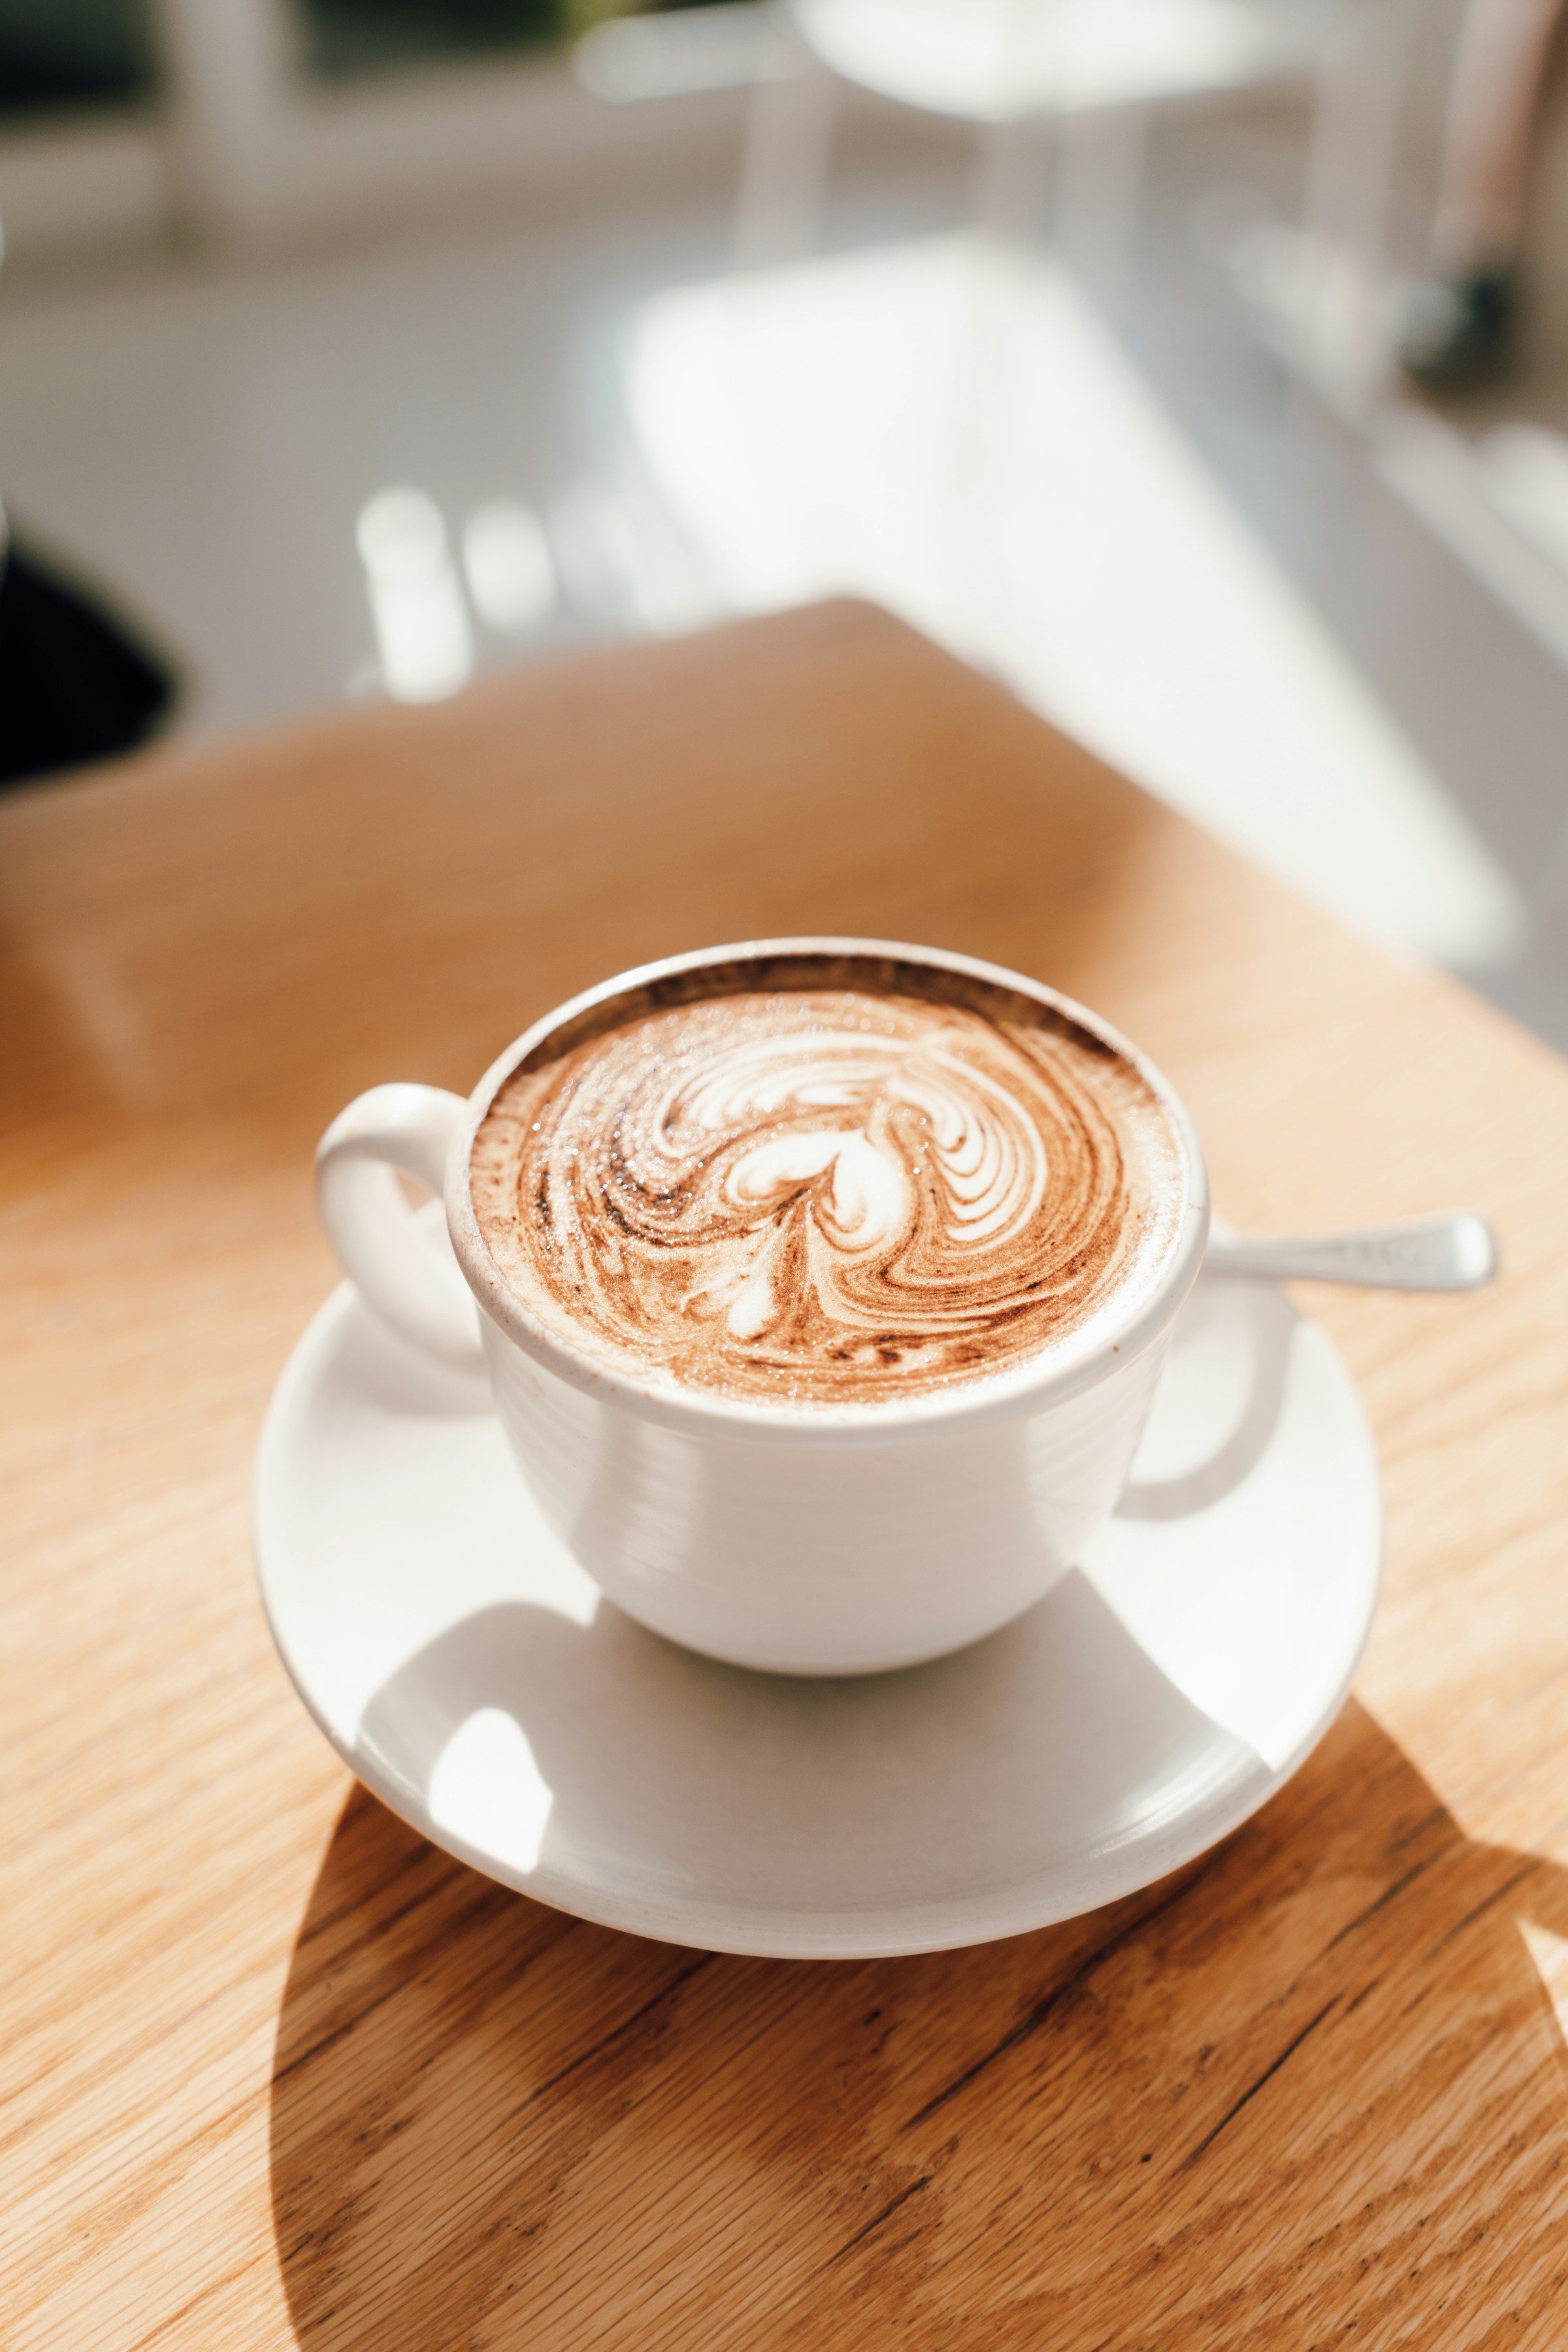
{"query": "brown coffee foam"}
{"type": "Point", "coordinates": [853, 1179]}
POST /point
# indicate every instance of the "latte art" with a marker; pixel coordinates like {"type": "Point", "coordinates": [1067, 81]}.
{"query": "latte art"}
{"type": "Point", "coordinates": [824, 1195]}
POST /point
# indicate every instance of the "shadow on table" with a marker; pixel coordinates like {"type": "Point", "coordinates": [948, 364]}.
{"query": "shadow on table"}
{"type": "Point", "coordinates": [1315, 2079]}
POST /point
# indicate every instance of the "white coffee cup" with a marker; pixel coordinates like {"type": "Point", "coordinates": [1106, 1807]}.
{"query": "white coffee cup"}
{"type": "Point", "coordinates": [838, 1541]}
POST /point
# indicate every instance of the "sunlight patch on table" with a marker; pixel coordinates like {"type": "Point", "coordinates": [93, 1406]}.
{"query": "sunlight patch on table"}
{"type": "Point", "coordinates": [958, 437]}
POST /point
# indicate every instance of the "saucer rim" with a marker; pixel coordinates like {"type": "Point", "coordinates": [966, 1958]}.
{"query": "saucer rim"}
{"type": "Point", "coordinates": [954, 1923]}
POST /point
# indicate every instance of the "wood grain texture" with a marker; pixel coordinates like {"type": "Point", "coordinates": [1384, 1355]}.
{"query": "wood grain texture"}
{"type": "Point", "coordinates": [272, 2071]}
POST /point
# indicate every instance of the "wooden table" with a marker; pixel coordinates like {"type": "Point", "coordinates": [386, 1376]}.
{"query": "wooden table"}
{"type": "Point", "coordinates": [273, 2072]}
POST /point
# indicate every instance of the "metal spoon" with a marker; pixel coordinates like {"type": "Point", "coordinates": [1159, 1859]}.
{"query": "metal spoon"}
{"type": "Point", "coordinates": [1453, 1251]}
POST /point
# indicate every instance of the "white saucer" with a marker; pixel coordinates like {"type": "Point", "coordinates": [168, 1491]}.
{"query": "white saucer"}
{"type": "Point", "coordinates": [462, 1662]}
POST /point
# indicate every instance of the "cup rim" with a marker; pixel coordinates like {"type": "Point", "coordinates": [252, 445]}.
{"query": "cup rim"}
{"type": "Point", "coordinates": [1024, 1389]}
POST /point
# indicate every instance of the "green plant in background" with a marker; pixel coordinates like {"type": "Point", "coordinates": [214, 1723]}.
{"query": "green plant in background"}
{"type": "Point", "coordinates": [579, 15]}
{"type": "Point", "coordinates": [68, 55]}
{"type": "Point", "coordinates": [350, 36]}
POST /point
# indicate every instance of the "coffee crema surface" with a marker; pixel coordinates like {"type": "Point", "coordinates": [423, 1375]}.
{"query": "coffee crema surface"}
{"type": "Point", "coordinates": [828, 1194]}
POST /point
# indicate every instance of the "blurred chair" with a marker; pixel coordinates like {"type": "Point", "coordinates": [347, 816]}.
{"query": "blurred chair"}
{"type": "Point", "coordinates": [1012, 69]}
{"type": "Point", "coordinates": [1326, 289]}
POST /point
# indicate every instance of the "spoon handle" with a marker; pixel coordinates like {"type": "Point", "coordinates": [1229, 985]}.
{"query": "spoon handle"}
{"type": "Point", "coordinates": [1453, 1251]}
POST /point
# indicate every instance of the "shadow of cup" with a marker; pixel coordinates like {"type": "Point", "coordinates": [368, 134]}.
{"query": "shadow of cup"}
{"type": "Point", "coordinates": [1312, 2082]}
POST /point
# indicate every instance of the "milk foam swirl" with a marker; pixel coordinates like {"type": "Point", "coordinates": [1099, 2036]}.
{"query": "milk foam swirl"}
{"type": "Point", "coordinates": [823, 1196]}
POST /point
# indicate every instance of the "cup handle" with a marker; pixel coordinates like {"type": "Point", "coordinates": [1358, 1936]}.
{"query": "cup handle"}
{"type": "Point", "coordinates": [371, 1225]}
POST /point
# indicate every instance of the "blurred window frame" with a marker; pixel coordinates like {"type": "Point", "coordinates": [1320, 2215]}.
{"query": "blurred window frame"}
{"type": "Point", "coordinates": [244, 148]}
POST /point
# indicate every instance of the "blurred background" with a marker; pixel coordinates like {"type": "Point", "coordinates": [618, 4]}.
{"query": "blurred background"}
{"type": "Point", "coordinates": [1199, 367]}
